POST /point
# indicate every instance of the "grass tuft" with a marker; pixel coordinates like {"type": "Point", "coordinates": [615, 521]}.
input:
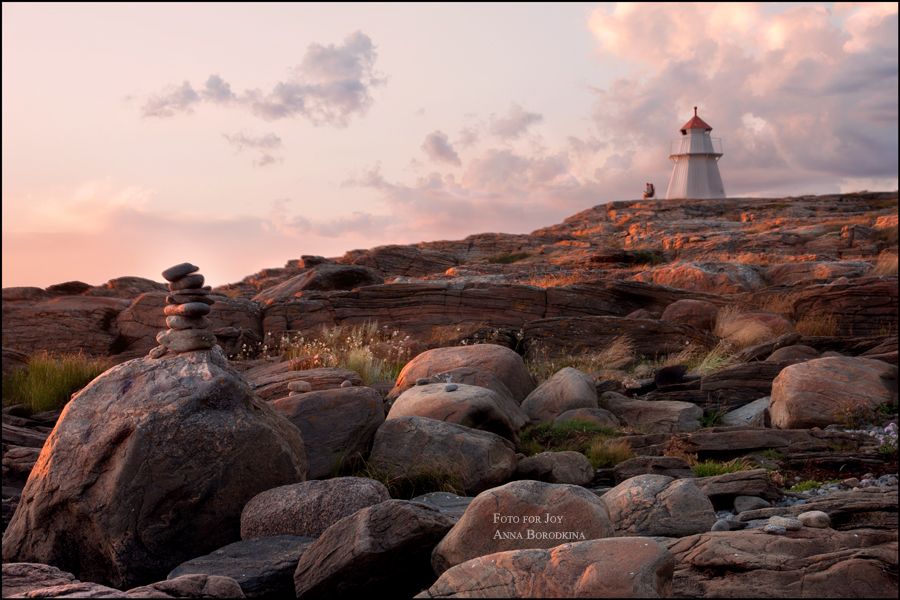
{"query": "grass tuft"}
{"type": "Point", "coordinates": [49, 381]}
{"type": "Point", "coordinates": [508, 258]}
{"type": "Point", "coordinates": [886, 265]}
{"type": "Point", "coordinates": [606, 453]}
{"type": "Point", "coordinates": [708, 468]}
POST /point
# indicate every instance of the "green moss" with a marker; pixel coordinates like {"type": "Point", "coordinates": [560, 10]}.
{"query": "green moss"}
{"type": "Point", "coordinates": [505, 259]}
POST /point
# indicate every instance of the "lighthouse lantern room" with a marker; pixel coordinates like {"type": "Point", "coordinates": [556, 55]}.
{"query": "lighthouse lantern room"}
{"type": "Point", "coordinates": [696, 156]}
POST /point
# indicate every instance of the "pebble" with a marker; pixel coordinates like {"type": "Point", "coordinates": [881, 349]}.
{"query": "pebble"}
{"type": "Point", "coordinates": [423, 381]}
{"type": "Point", "coordinates": [850, 482]}
{"type": "Point", "coordinates": [300, 386]}
{"type": "Point", "coordinates": [451, 387]}
{"type": "Point", "coordinates": [347, 384]}
{"type": "Point", "coordinates": [720, 525]}
{"type": "Point", "coordinates": [189, 282]}
{"type": "Point", "coordinates": [179, 271]}
{"type": "Point", "coordinates": [191, 309]}
{"type": "Point", "coordinates": [176, 322]}
{"type": "Point", "coordinates": [186, 340]}
{"type": "Point", "coordinates": [185, 298]}
{"type": "Point", "coordinates": [786, 522]}
{"type": "Point", "coordinates": [774, 529]}
{"type": "Point", "coordinates": [815, 518]}
{"type": "Point", "coordinates": [158, 352]}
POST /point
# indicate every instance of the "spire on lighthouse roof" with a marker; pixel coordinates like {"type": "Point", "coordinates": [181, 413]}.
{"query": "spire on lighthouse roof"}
{"type": "Point", "coordinates": [695, 123]}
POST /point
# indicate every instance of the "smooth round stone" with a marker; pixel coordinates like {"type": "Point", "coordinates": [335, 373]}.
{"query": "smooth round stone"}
{"type": "Point", "coordinates": [179, 271]}
{"type": "Point", "coordinates": [775, 529]}
{"type": "Point", "coordinates": [347, 384]}
{"type": "Point", "coordinates": [188, 282]}
{"type": "Point", "coordinates": [742, 503]}
{"type": "Point", "coordinates": [787, 523]}
{"type": "Point", "coordinates": [451, 387]}
{"type": "Point", "coordinates": [423, 381]}
{"type": "Point", "coordinates": [177, 322]}
{"type": "Point", "coordinates": [815, 518]}
{"type": "Point", "coordinates": [186, 340]}
{"type": "Point", "coordinates": [188, 298]}
{"type": "Point", "coordinates": [300, 386]}
{"type": "Point", "coordinates": [204, 291]}
{"type": "Point", "coordinates": [158, 352]}
{"type": "Point", "coordinates": [720, 525]}
{"type": "Point", "coordinates": [191, 309]}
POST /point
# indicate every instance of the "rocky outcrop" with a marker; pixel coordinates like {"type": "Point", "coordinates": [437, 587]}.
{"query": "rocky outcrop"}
{"type": "Point", "coordinates": [520, 515]}
{"type": "Point", "coordinates": [556, 467]}
{"type": "Point", "coordinates": [21, 578]}
{"type": "Point", "coordinates": [165, 425]}
{"type": "Point", "coordinates": [710, 277]}
{"type": "Point", "coordinates": [323, 278]}
{"type": "Point", "coordinates": [607, 568]}
{"type": "Point", "coordinates": [860, 307]}
{"type": "Point", "coordinates": [808, 563]}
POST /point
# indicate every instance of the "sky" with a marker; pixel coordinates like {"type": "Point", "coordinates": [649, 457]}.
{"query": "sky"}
{"type": "Point", "coordinates": [240, 136]}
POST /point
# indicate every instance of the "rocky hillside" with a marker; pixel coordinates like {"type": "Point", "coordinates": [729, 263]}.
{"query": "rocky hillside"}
{"type": "Point", "coordinates": [608, 261]}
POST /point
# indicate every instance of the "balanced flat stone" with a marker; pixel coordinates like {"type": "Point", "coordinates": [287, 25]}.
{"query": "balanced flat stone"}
{"type": "Point", "coordinates": [191, 309]}
{"type": "Point", "coordinates": [177, 322]}
{"type": "Point", "coordinates": [188, 282]}
{"type": "Point", "coordinates": [178, 298]}
{"type": "Point", "coordinates": [203, 291]}
{"type": "Point", "coordinates": [186, 340]}
{"type": "Point", "coordinates": [179, 271]}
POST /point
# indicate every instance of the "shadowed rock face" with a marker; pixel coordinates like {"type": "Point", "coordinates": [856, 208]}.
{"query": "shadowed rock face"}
{"type": "Point", "coordinates": [149, 466]}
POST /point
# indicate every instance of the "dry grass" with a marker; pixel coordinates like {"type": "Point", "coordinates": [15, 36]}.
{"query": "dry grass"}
{"type": "Point", "coordinates": [607, 453]}
{"type": "Point", "coordinates": [817, 324]}
{"type": "Point", "coordinates": [740, 333]}
{"type": "Point", "coordinates": [444, 335]}
{"type": "Point", "coordinates": [748, 258]}
{"type": "Point", "coordinates": [886, 265]}
{"type": "Point", "coordinates": [716, 359]}
{"type": "Point", "coordinates": [555, 280]}
{"type": "Point", "coordinates": [782, 304]}
{"type": "Point", "coordinates": [677, 447]}
{"type": "Point", "coordinates": [543, 366]}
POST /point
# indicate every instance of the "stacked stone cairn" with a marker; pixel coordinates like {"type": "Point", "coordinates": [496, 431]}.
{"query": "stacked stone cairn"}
{"type": "Point", "coordinates": [188, 305]}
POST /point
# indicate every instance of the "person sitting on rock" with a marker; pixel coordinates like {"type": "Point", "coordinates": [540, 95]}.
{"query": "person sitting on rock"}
{"type": "Point", "coordinates": [650, 191]}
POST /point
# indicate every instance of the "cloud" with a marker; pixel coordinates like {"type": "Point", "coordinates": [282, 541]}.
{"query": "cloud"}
{"type": "Point", "coordinates": [795, 95]}
{"type": "Point", "coordinates": [358, 222]}
{"type": "Point", "coordinates": [263, 143]}
{"type": "Point", "coordinates": [438, 149]}
{"type": "Point", "coordinates": [468, 136]}
{"type": "Point", "coordinates": [515, 124]}
{"type": "Point", "coordinates": [173, 100]}
{"type": "Point", "coordinates": [329, 86]}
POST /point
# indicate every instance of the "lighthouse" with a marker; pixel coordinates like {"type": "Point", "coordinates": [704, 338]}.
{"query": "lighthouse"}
{"type": "Point", "coordinates": [696, 156]}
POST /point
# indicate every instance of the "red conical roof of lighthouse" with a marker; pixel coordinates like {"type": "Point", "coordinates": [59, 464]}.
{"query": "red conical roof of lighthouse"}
{"type": "Point", "coordinates": [695, 123]}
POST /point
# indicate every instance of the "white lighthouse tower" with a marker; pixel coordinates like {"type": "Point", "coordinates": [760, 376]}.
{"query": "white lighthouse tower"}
{"type": "Point", "coordinates": [696, 156]}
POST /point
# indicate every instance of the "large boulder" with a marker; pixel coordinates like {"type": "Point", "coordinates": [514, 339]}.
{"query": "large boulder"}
{"type": "Point", "coordinates": [568, 389]}
{"type": "Point", "coordinates": [149, 466]}
{"type": "Point", "coordinates": [469, 405]}
{"type": "Point", "coordinates": [380, 551]}
{"type": "Point", "coordinates": [307, 509]}
{"type": "Point", "coordinates": [501, 362]}
{"type": "Point", "coordinates": [198, 585]}
{"type": "Point", "coordinates": [476, 460]}
{"type": "Point", "coordinates": [653, 417]}
{"type": "Point", "coordinates": [337, 425]}
{"type": "Point", "coordinates": [657, 505]}
{"type": "Point", "coordinates": [807, 563]}
{"type": "Point", "coordinates": [607, 568]}
{"type": "Point", "coordinates": [806, 395]}
{"type": "Point", "coordinates": [263, 567]}
{"type": "Point", "coordinates": [520, 515]}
